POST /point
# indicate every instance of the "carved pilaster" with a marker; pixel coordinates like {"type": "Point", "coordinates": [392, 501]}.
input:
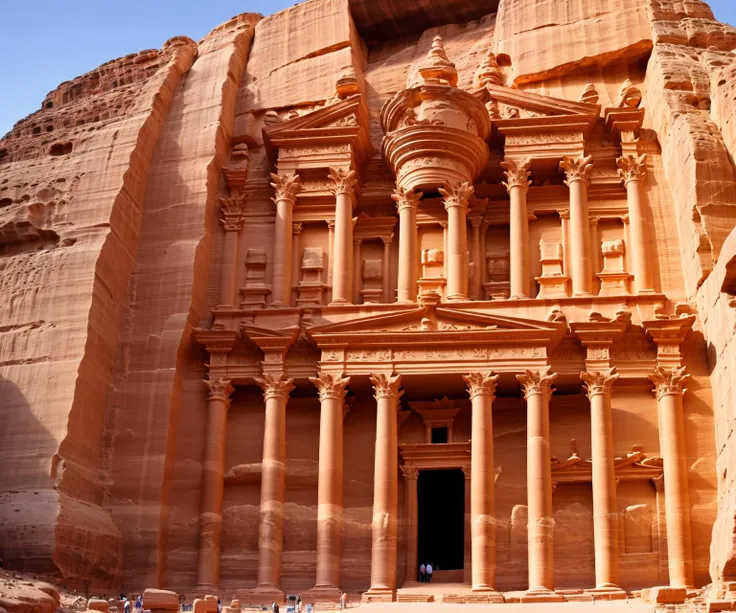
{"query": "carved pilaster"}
{"type": "Point", "coordinates": [285, 187]}
{"type": "Point", "coordinates": [456, 195]}
{"type": "Point", "coordinates": [386, 386]}
{"type": "Point", "coordinates": [406, 199]}
{"type": "Point", "coordinates": [577, 169]}
{"type": "Point", "coordinates": [669, 381]}
{"type": "Point", "coordinates": [537, 382]}
{"type": "Point", "coordinates": [331, 386]}
{"type": "Point", "coordinates": [344, 181]}
{"type": "Point", "coordinates": [275, 386]}
{"type": "Point", "coordinates": [233, 210]}
{"type": "Point", "coordinates": [517, 174]}
{"type": "Point", "coordinates": [599, 382]}
{"type": "Point", "coordinates": [632, 168]}
{"type": "Point", "coordinates": [481, 383]}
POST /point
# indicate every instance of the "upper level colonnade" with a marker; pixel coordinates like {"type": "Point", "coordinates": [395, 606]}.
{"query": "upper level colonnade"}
{"type": "Point", "coordinates": [460, 233]}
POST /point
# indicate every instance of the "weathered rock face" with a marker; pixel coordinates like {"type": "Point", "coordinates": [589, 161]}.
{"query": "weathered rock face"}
{"type": "Point", "coordinates": [113, 259]}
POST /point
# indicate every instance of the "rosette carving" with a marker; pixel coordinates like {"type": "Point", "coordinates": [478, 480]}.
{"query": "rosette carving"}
{"type": "Point", "coordinates": [517, 174]}
{"type": "Point", "coordinates": [577, 169]}
{"type": "Point", "coordinates": [599, 382]}
{"type": "Point", "coordinates": [481, 383]}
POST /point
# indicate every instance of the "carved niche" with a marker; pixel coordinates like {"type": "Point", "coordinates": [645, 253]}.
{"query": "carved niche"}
{"type": "Point", "coordinates": [498, 286]}
{"type": "Point", "coordinates": [552, 282]}
{"type": "Point", "coordinates": [433, 271]}
{"type": "Point", "coordinates": [310, 290]}
{"type": "Point", "coordinates": [256, 290]}
{"type": "Point", "coordinates": [372, 281]}
{"type": "Point", "coordinates": [614, 278]}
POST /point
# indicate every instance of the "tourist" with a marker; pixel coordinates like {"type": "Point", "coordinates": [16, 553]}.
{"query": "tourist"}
{"type": "Point", "coordinates": [126, 605]}
{"type": "Point", "coordinates": [298, 604]}
{"type": "Point", "coordinates": [139, 602]}
{"type": "Point", "coordinates": [422, 575]}
{"type": "Point", "coordinates": [275, 607]}
{"type": "Point", "coordinates": [343, 600]}
{"type": "Point", "coordinates": [429, 573]}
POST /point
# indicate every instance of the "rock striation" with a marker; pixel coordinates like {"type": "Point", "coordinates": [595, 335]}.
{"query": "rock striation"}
{"type": "Point", "coordinates": [379, 233]}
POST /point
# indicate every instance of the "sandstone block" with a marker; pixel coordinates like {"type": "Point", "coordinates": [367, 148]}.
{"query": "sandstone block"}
{"type": "Point", "coordinates": [199, 605]}
{"type": "Point", "coordinates": [97, 604]}
{"type": "Point", "coordinates": [160, 600]}
{"type": "Point", "coordinates": [666, 595]}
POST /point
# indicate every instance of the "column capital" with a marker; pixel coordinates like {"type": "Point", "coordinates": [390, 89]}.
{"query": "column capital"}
{"type": "Point", "coordinates": [456, 194]}
{"type": "Point", "coordinates": [517, 174]}
{"type": "Point", "coordinates": [331, 386]}
{"type": "Point", "coordinates": [475, 221]}
{"type": "Point", "coordinates": [233, 209]}
{"type": "Point", "coordinates": [481, 384]}
{"type": "Point", "coordinates": [344, 181]}
{"type": "Point", "coordinates": [296, 228]}
{"type": "Point", "coordinates": [564, 213]}
{"type": "Point", "coordinates": [599, 382]}
{"type": "Point", "coordinates": [386, 386]}
{"type": "Point", "coordinates": [537, 382]}
{"type": "Point", "coordinates": [387, 240]}
{"type": "Point", "coordinates": [406, 199]}
{"type": "Point", "coordinates": [411, 473]}
{"type": "Point", "coordinates": [285, 187]}
{"type": "Point", "coordinates": [331, 225]}
{"type": "Point", "coordinates": [577, 169]}
{"type": "Point", "coordinates": [668, 381]}
{"type": "Point", "coordinates": [632, 168]}
{"type": "Point", "coordinates": [220, 389]}
{"type": "Point", "coordinates": [275, 386]}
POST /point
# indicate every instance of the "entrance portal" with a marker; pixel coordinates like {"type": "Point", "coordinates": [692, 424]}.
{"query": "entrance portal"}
{"type": "Point", "coordinates": [441, 498]}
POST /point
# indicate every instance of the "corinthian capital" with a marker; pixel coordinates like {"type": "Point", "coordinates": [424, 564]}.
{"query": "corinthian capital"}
{"type": "Point", "coordinates": [517, 174]}
{"type": "Point", "coordinates": [668, 381]}
{"type": "Point", "coordinates": [577, 169]}
{"type": "Point", "coordinates": [344, 181]}
{"type": "Point", "coordinates": [599, 382]}
{"type": "Point", "coordinates": [537, 382]}
{"type": "Point", "coordinates": [406, 198]}
{"type": "Point", "coordinates": [632, 168]}
{"type": "Point", "coordinates": [481, 383]}
{"type": "Point", "coordinates": [386, 386]}
{"type": "Point", "coordinates": [409, 472]}
{"type": "Point", "coordinates": [330, 386]}
{"type": "Point", "coordinates": [456, 194]}
{"type": "Point", "coordinates": [275, 386]}
{"type": "Point", "coordinates": [285, 186]}
{"type": "Point", "coordinates": [220, 389]}
{"type": "Point", "coordinates": [233, 209]}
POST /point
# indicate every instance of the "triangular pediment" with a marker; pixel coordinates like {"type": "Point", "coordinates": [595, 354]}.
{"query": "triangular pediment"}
{"type": "Point", "coordinates": [533, 104]}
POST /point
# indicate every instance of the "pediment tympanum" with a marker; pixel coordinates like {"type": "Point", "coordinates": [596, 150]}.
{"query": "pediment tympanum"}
{"type": "Point", "coordinates": [439, 339]}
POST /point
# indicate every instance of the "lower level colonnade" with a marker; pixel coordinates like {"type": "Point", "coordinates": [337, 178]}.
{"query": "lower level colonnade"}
{"type": "Point", "coordinates": [537, 389]}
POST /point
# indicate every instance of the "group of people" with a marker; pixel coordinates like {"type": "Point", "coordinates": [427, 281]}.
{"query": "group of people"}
{"type": "Point", "coordinates": [425, 573]}
{"type": "Point", "coordinates": [298, 607]}
{"type": "Point", "coordinates": [127, 606]}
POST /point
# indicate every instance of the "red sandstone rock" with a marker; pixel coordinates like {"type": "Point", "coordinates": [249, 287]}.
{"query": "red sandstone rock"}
{"type": "Point", "coordinates": [96, 604]}
{"type": "Point", "coordinates": [160, 600]}
{"type": "Point", "coordinates": [666, 595]}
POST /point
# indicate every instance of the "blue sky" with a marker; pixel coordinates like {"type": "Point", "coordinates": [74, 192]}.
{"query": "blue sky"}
{"type": "Point", "coordinates": [46, 42]}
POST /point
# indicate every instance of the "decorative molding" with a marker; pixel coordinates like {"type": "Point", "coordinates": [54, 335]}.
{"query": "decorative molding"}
{"type": "Point", "coordinates": [599, 382]}
{"type": "Point", "coordinates": [577, 169]}
{"type": "Point", "coordinates": [344, 181]}
{"type": "Point", "coordinates": [233, 212]}
{"type": "Point", "coordinates": [331, 386]}
{"type": "Point", "coordinates": [285, 187]}
{"type": "Point", "coordinates": [481, 383]}
{"type": "Point", "coordinates": [386, 386]}
{"type": "Point", "coordinates": [632, 168]}
{"type": "Point", "coordinates": [406, 198]}
{"type": "Point", "coordinates": [668, 381]}
{"type": "Point", "coordinates": [456, 194]}
{"type": "Point", "coordinates": [275, 386]}
{"type": "Point", "coordinates": [437, 67]}
{"type": "Point", "coordinates": [220, 389]}
{"type": "Point", "coordinates": [517, 173]}
{"type": "Point", "coordinates": [537, 382]}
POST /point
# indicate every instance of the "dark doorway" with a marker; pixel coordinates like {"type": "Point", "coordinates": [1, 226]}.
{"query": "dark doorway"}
{"type": "Point", "coordinates": [441, 497]}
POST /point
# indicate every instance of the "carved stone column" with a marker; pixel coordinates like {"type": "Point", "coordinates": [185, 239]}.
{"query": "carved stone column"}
{"type": "Point", "coordinates": [599, 386]}
{"type": "Point", "coordinates": [669, 390]}
{"type": "Point", "coordinates": [286, 188]}
{"type": "Point", "coordinates": [342, 271]}
{"type": "Point", "coordinates": [330, 487]}
{"type": "Point", "coordinates": [407, 203]}
{"type": "Point", "coordinates": [517, 184]}
{"type": "Point", "coordinates": [467, 530]}
{"type": "Point", "coordinates": [330, 250]}
{"type": "Point", "coordinates": [385, 490]}
{"type": "Point", "coordinates": [296, 231]}
{"type": "Point", "coordinates": [633, 172]}
{"type": "Point", "coordinates": [456, 202]}
{"type": "Point", "coordinates": [537, 388]}
{"type": "Point", "coordinates": [232, 219]}
{"type": "Point", "coordinates": [411, 476]}
{"type": "Point", "coordinates": [276, 389]}
{"type": "Point", "coordinates": [213, 475]}
{"type": "Point", "coordinates": [482, 391]}
{"type": "Point", "coordinates": [387, 269]}
{"type": "Point", "coordinates": [357, 242]}
{"type": "Point", "coordinates": [578, 176]}
{"type": "Point", "coordinates": [476, 289]}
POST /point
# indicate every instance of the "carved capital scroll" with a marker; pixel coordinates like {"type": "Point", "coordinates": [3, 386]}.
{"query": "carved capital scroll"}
{"type": "Point", "coordinates": [331, 386]}
{"type": "Point", "coordinates": [577, 169]}
{"type": "Point", "coordinates": [285, 187]}
{"type": "Point", "coordinates": [517, 174]}
{"type": "Point", "coordinates": [233, 213]}
{"type": "Point", "coordinates": [668, 381]}
{"type": "Point", "coordinates": [537, 382]}
{"type": "Point", "coordinates": [386, 386]}
{"type": "Point", "coordinates": [406, 199]}
{"type": "Point", "coordinates": [275, 386]}
{"type": "Point", "coordinates": [456, 194]}
{"type": "Point", "coordinates": [343, 181]}
{"type": "Point", "coordinates": [481, 383]}
{"type": "Point", "coordinates": [632, 168]}
{"type": "Point", "coordinates": [599, 382]}
{"type": "Point", "coordinates": [220, 389]}
{"type": "Point", "coordinates": [409, 472]}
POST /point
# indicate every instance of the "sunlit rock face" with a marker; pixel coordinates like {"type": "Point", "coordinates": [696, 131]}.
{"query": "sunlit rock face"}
{"type": "Point", "coordinates": [257, 292]}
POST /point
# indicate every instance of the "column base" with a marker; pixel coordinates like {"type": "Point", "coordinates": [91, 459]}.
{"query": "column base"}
{"type": "Point", "coordinates": [541, 594]}
{"type": "Point", "coordinates": [645, 291]}
{"type": "Point", "coordinates": [518, 297]}
{"type": "Point", "coordinates": [607, 591]}
{"type": "Point", "coordinates": [323, 593]}
{"type": "Point", "coordinates": [488, 593]}
{"type": "Point", "coordinates": [204, 589]}
{"type": "Point", "coordinates": [457, 298]}
{"type": "Point", "coordinates": [340, 302]}
{"type": "Point", "coordinates": [266, 593]}
{"type": "Point", "coordinates": [378, 595]}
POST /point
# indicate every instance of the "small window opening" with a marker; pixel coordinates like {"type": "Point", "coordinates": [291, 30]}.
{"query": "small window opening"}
{"type": "Point", "coordinates": [439, 435]}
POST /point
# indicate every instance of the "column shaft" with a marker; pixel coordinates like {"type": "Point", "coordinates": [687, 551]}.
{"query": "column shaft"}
{"type": "Point", "coordinates": [578, 173]}
{"type": "Point", "coordinates": [633, 172]}
{"type": "Point", "coordinates": [517, 184]}
{"type": "Point", "coordinates": [342, 272]}
{"type": "Point", "coordinates": [296, 259]}
{"type": "Point", "coordinates": [456, 202]}
{"type": "Point", "coordinates": [407, 204]}
{"type": "Point", "coordinates": [286, 188]}
{"type": "Point", "coordinates": [477, 288]}
{"type": "Point", "coordinates": [356, 271]}
{"type": "Point", "coordinates": [411, 476]}
{"type": "Point", "coordinates": [387, 271]}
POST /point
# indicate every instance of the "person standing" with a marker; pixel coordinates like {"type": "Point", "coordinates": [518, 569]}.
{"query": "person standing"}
{"type": "Point", "coordinates": [429, 573]}
{"type": "Point", "coordinates": [422, 573]}
{"type": "Point", "coordinates": [275, 607]}
{"type": "Point", "coordinates": [126, 605]}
